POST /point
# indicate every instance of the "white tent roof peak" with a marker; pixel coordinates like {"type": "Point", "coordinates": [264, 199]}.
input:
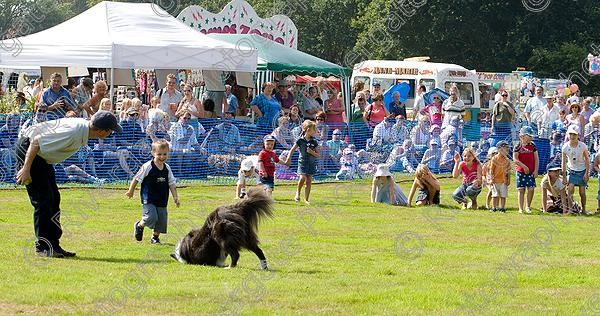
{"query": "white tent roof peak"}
{"type": "Point", "coordinates": [127, 35]}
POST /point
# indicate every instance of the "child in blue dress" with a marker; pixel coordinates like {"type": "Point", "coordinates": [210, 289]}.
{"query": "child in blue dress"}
{"type": "Point", "coordinates": [308, 147]}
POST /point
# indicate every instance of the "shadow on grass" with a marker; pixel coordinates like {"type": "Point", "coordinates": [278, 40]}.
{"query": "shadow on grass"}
{"type": "Point", "coordinates": [117, 260]}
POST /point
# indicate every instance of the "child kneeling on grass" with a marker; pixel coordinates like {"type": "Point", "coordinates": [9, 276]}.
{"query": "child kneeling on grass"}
{"type": "Point", "coordinates": [428, 185]}
{"type": "Point", "coordinates": [466, 194]}
{"type": "Point", "coordinates": [247, 170]}
{"type": "Point", "coordinates": [156, 181]}
{"type": "Point", "coordinates": [554, 196]}
{"type": "Point", "coordinates": [384, 189]}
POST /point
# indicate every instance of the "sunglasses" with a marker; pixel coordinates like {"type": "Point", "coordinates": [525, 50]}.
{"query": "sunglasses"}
{"type": "Point", "coordinates": [134, 114]}
{"type": "Point", "coordinates": [186, 117]}
{"type": "Point", "coordinates": [505, 95]}
{"type": "Point", "coordinates": [320, 119]}
{"type": "Point", "coordinates": [187, 90]}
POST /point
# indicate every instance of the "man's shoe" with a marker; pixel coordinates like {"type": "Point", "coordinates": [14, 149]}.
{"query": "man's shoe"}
{"type": "Point", "coordinates": [65, 253]}
{"type": "Point", "coordinates": [138, 231]}
{"type": "Point", "coordinates": [49, 253]}
{"type": "Point", "coordinates": [154, 240]}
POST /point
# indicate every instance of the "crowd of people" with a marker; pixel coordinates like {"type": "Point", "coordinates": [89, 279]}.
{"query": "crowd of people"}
{"type": "Point", "coordinates": [204, 133]}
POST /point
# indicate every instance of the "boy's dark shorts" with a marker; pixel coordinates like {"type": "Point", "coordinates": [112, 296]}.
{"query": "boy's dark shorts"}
{"type": "Point", "coordinates": [268, 181]}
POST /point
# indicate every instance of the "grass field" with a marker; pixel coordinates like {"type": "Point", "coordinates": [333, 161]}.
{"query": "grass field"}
{"type": "Point", "coordinates": [340, 256]}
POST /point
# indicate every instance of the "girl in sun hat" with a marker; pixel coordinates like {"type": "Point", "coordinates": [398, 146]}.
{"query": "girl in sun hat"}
{"type": "Point", "coordinates": [575, 165]}
{"type": "Point", "coordinates": [247, 170]}
{"type": "Point", "coordinates": [384, 189]}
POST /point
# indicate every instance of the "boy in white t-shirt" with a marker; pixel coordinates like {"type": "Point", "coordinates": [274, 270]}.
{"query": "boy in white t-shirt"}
{"type": "Point", "coordinates": [248, 169]}
{"type": "Point", "coordinates": [575, 165]}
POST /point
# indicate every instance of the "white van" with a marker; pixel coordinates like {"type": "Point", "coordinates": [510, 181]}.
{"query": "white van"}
{"type": "Point", "coordinates": [417, 71]}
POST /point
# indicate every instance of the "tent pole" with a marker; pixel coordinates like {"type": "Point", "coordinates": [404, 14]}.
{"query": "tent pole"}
{"type": "Point", "coordinates": [112, 78]}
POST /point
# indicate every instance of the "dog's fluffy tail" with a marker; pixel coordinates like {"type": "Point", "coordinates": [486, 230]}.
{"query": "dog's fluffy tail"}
{"type": "Point", "coordinates": [256, 206]}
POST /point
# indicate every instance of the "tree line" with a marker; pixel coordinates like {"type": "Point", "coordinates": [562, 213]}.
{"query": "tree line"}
{"type": "Point", "coordinates": [548, 37]}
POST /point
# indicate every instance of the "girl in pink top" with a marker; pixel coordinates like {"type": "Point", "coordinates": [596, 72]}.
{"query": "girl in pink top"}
{"type": "Point", "coordinates": [335, 110]}
{"type": "Point", "coordinates": [434, 111]}
{"type": "Point", "coordinates": [470, 168]}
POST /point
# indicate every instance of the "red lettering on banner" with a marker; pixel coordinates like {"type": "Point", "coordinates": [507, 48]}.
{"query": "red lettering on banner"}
{"type": "Point", "coordinates": [244, 29]}
{"type": "Point", "coordinates": [255, 31]}
{"type": "Point", "coordinates": [280, 41]}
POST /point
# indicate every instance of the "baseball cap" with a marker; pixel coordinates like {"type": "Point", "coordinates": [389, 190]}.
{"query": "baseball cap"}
{"type": "Point", "coordinates": [527, 130]}
{"type": "Point", "coordinates": [106, 121]}
{"type": "Point", "coordinates": [133, 110]}
{"type": "Point", "coordinates": [434, 142]}
{"type": "Point", "coordinates": [492, 151]}
{"type": "Point", "coordinates": [247, 164]}
{"type": "Point", "coordinates": [502, 143]}
{"type": "Point", "coordinates": [573, 129]}
{"type": "Point", "coordinates": [269, 138]}
{"type": "Point", "coordinates": [433, 127]}
{"type": "Point", "coordinates": [554, 165]}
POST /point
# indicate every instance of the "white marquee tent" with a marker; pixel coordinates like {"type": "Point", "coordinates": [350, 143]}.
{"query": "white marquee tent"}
{"type": "Point", "coordinates": [125, 35]}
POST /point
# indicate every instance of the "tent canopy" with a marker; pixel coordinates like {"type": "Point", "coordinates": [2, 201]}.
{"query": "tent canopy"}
{"type": "Point", "coordinates": [125, 35]}
{"type": "Point", "coordinates": [276, 57]}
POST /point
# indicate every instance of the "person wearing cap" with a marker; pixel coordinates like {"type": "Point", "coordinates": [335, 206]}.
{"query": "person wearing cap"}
{"type": "Point", "coordinates": [384, 189]}
{"type": "Point", "coordinates": [436, 132]}
{"type": "Point", "coordinates": [432, 156]}
{"type": "Point", "coordinates": [41, 146]}
{"type": "Point", "coordinates": [382, 133]}
{"type": "Point", "coordinates": [550, 113]}
{"type": "Point", "coordinates": [335, 146]}
{"type": "Point", "coordinates": [309, 151]}
{"type": "Point", "coordinates": [534, 105]}
{"type": "Point", "coordinates": [526, 158]}
{"type": "Point", "coordinates": [247, 170]}
{"type": "Point", "coordinates": [349, 167]}
{"type": "Point", "coordinates": [447, 158]}
{"type": "Point", "coordinates": [575, 118]}
{"type": "Point", "coordinates": [575, 166]}
{"type": "Point", "coordinates": [452, 107]}
{"type": "Point", "coordinates": [500, 177]}
{"type": "Point", "coordinates": [267, 159]}
{"type": "Point", "coordinates": [554, 196]}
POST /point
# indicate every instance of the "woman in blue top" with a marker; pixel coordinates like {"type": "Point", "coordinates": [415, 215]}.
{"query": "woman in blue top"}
{"type": "Point", "coordinates": [266, 107]}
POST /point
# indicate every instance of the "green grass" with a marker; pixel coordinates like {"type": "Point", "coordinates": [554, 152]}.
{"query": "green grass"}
{"type": "Point", "coordinates": [343, 263]}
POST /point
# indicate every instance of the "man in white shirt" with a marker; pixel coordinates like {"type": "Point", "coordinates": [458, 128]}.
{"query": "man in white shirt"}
{"type": "Point", "coordinates": [550, 113]}
{"type": "Point", "coordinates": [169, 95]}
{"type": "Point", "coordinates": [41, 146]}
{"type": "Point", "coordinates": [534, 104]}
{"type": "Point", "coordinates": [453, 107]}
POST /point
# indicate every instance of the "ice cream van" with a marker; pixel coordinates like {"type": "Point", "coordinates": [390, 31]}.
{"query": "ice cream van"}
{"type": "Point", "coordinates": [382, 74]}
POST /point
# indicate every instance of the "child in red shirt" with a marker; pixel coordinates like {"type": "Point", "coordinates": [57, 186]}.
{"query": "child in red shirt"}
{"type": "Point", "coordinates": [526, 163]}
{"type": "Point", "coordinates": [266, 164]}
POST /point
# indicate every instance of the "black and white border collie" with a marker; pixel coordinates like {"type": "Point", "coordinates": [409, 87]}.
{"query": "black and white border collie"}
{"type": "Point", "coordinates": [226, 230]}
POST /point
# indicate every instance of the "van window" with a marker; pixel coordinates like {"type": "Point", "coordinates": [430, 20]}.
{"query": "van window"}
{"type": "Point", "coordinates": [465, 90]}
{"type": "Point", "coordinates": [386, 83]}
{"type": "Point", "coordinates": [428, 83]}
{"type": "Point", "coordinates": [365, 80]}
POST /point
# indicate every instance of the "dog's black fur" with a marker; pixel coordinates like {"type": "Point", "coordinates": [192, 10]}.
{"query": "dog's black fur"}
{"type": "Point", "coordinates": [226, 230]}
